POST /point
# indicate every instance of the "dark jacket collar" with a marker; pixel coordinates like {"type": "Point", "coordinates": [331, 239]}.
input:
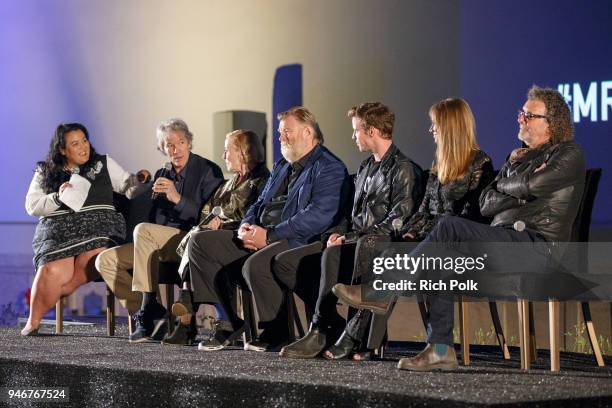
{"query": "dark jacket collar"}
{"type": "Point", "coordinates": [389, 158]}
{"type": "Point", "coordinates": [386, 162]}
{"type": "Point", "coordinates": [305, 160]}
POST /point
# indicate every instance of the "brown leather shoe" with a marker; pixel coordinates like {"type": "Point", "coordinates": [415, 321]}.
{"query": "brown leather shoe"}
{"type": "Point", "coordinates": [428, 360]}
{"type": "Point", "coordinates": [351, 294]}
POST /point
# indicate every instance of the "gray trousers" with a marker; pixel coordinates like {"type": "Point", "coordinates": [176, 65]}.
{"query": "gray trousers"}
{"type": "Point", "coordinates": [218, 263]}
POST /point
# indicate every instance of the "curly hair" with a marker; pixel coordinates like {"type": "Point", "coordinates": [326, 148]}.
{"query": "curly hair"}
{"type": "Point", "coordinates": [375, 114]}
{"type": "Point", "coordinates": [52, 168]}
{"type": "Point", "coordinates": [558, 113]}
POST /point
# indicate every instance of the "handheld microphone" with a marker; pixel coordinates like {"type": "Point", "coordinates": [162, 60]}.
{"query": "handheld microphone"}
{"type": "Point", "coordinates": [165, 172]}
{"type": "Point", "coordinates": [397, 225]}
{"type": "Point", "coordinates": [519, 226]}
{"type": "Point", "coordinates": [217, 211]}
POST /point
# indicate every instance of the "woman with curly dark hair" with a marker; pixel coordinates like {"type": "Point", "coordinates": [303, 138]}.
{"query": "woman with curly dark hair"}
{"type": "Point", "coordinates": [66, 241]}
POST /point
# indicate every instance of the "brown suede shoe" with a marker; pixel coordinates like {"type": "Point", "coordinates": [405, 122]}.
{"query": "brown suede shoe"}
{"type": "Point", "coordinates": [351, 294]}
{"type": "Point", "coordinates": [428, 360]}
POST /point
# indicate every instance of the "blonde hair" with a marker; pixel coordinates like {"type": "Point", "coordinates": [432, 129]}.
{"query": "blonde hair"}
{"type": "Point", "coordinates": [455, 138]}
{"type": "Point", "coordinates": [249, 145]}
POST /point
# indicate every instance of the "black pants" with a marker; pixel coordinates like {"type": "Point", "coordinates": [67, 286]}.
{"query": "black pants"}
{"type": "Point", "coordinates": [297, 269]}
{"type": "Point", "coordinates": [218, 263]}
{"type": "Point", "coordinates": [314, 272]}
{"type": "Point", "coordinates": [456, 229]}
{"type": "Point", "coordinates": [335, 265]}
{"type": "Point", "coordinates": [358, 324]}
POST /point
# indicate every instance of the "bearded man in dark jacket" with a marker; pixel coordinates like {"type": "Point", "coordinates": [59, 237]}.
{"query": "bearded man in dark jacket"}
{"type": "Point", "coordinates": [533, 201]}
{"type": "Point", "coordinates": [388, 187]}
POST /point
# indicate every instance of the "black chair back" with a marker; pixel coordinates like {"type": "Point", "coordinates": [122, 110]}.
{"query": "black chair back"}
{"type": "Point", "coordinates": [582, 223]}
{"type": "Point", "coordinates": [575, 258]}
{"type": "Point", "coordinates": [134, 211]}
{"type": "Point", "coordinates": [348, 196]}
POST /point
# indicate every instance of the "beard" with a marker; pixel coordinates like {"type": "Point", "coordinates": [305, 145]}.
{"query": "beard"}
{"type": "Point", "coordinates": [523, 135]}
{"type": "Point", "coordinates": [291, 152]}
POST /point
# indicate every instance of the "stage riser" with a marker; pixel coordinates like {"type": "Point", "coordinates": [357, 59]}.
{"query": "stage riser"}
{"type": "Point", "coordinates": [112, 387]}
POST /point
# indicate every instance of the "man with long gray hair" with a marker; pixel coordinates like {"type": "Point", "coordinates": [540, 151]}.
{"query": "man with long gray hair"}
{"type": "Point", "coordinates": [180, 189]}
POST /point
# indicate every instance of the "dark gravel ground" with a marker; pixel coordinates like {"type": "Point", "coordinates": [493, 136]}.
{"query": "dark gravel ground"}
{"type": "Point", "coordinates": [109, 371]}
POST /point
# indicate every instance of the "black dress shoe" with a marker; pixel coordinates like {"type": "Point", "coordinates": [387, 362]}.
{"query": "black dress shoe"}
{"type": "Point", "coordinates": [223, 334]}
{"type": "Point", "coordinates": [365, 355]}
{"type": "Point", "coordinates": [151, 324]}
{"type": "Point", "coordinates": [271, 339]}
{"type": "Point", "coordinates": [183, 335]}
{"type": "Point", "coordinates": [308, 346]}
{"type": "Point", "coordinates": [264, 345]}
{"type": "Point", "coordinates": [344, 347]}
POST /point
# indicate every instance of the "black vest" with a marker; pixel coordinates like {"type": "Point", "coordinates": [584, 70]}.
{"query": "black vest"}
{"type": "Point", "coordinates": [101, 190]}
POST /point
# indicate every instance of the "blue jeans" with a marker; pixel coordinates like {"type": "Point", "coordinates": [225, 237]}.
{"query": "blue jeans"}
{"type": "Point", "coordinates": [457, 229]}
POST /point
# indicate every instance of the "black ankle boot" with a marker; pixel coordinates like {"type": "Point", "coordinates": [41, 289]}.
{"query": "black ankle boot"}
{"type": "Point", "coordinates": [343, 348]}
{"type": "Point", "coordinates": [308, 346]}
{"type": "Point", "coordinates": [184, 334]}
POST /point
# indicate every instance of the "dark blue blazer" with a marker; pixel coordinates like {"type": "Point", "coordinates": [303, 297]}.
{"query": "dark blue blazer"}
{"type": "Point", "coordinates": [314, 201]}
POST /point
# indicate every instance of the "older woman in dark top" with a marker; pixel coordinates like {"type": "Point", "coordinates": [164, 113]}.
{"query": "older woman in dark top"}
{"type": "Point", "coordinates": [459, 173]}
{"type": "Point", "coordinates": [244, 156]}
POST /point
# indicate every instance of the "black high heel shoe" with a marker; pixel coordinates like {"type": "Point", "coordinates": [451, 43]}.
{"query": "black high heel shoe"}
{"type": "Point", "coordinates": [364, 355]}
{"type": "Point", "coordinates": [343, 348]}
{"type": "Point", "coordinates": [370, 354]}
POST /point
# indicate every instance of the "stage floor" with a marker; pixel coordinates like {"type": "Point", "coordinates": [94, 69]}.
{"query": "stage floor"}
{"type": "Point", "coordinates": [109, 371]}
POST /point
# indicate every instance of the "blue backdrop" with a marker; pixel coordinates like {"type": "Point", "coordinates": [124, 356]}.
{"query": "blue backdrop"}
{"type": "Point", "coordinates": [286, 94]}
{"type": "Point", "coordinates": [508, 46]}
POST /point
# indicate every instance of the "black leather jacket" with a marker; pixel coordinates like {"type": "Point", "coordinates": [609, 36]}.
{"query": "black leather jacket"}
{"type": "Point", "coordinates": [547, 200]}
{"type": "Point", "coordinates": [459, 197]}
{"type": "Point", "coordinates": [393, 191]}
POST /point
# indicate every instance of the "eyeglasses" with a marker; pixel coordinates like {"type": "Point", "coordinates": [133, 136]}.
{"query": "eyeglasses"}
{"type": "Point", "coordinates": [527, 116]}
